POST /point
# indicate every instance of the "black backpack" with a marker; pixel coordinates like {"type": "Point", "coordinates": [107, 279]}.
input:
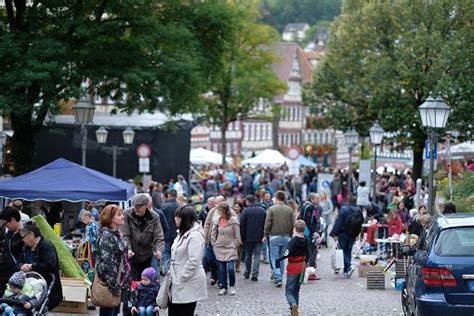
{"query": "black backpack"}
{"type": "Point", "coordinates": [353, 224]}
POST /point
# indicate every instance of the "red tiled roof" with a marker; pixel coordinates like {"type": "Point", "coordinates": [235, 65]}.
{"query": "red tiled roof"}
{"type": "Point", "coordinates": [283, 65]}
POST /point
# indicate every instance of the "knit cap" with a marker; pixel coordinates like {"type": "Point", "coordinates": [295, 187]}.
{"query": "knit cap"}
{"type": "Point", "coordinates": [17, 280]}
{"type": "Point", "coordinates": [149, 273]}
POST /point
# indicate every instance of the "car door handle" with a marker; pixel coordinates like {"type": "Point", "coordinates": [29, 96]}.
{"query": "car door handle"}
{"type": "Point", "coordinates": [468, 276]}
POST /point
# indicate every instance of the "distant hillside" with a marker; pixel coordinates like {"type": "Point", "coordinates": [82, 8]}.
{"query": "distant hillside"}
{"type": "Point", "coordinates": [278, 13]}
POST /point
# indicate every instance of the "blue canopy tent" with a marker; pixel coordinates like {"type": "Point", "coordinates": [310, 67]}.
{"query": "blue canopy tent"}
{"type": "Point", "coordinates": [62, 180]}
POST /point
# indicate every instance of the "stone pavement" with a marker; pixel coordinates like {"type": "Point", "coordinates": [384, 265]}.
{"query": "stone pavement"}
{"type": "Point", "coordinates": [332, 295]}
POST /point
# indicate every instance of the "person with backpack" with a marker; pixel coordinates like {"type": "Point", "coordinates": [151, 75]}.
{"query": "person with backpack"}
{"type": "Point", "coordinates": [310, 213]}
{"type": "Point", "coordinates": [347, 227]}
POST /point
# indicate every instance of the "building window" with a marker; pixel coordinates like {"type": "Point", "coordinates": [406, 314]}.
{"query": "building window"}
{"type": "Point", "coordinates": [246, 132]}
{"type": "Point", "coordinates": [252, 132]}
{"type": "Point", "coordinates": [280, 140]}
{"type": "Point", "coordinates": [262, 131]}
{"type": "Point", "coordinates": [215, 147]}
{"type": "Point", "coordinates": [235, 148]}
{"type": "Point", "coordinates": [269, 131]}
{"type": "Point", "coordinates": [228, 149]}
{"type": "Point", "coordinates": [327, 138]}
{"type": "Point", "coordinates": [294, 88]}
{"type": "Point", "coordinates": [321, 138]}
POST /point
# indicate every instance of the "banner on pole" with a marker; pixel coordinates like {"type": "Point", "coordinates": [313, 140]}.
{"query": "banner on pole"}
{"type": "Point", "coordinates": [324, 183]}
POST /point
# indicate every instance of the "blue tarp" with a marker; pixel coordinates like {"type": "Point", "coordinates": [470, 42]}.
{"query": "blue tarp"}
{"type": "Point", "coordinates": [62, 180]}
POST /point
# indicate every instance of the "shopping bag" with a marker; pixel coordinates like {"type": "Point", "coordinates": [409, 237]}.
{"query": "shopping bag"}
{"type": "Point", "coordinates": [337, 258]}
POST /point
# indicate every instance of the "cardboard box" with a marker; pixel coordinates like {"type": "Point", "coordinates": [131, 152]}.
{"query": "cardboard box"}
{"type": "Point", "coordinates": [364, 269]}
{"type": "Point", "coordinates": [74, 297]}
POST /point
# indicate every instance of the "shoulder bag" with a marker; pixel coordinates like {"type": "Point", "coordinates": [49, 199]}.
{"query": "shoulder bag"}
{"type": "Point", "coordinates": [163, 296]}
{"type": "Point", "coordinates": [100, 292]}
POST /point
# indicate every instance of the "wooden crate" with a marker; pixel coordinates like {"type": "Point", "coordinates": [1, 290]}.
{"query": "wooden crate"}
{"type": "Point", "coordinates": [375, 280]}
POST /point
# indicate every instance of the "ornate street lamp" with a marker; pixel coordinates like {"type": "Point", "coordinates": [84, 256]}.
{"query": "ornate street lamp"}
{"type": "Point", "coordinates": [128, 134]}
{"type": "Point", "coordinates": [351, 138]}
{"type": "Point", "coordinates": [434, 115]}
{"type": "Point", "coordinates": [376, 135]}
{"type": "Point", "coordinates": [83, 115]}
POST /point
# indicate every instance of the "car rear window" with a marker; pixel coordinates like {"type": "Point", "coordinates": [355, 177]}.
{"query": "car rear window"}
{"type": "Point", "coordinates": [455, 242]}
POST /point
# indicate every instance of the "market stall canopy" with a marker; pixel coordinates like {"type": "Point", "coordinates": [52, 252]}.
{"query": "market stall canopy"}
{"type": "Point", "coordinates": [268, 157]}
{"type": "Point", "coordinates": [461, 151]}
{"type": "Point", "coordinates": [201, 156]}
{"type": "Point", "coordinates": [62, 180]}
{"type": "Point", "coordinates": [303, 161]}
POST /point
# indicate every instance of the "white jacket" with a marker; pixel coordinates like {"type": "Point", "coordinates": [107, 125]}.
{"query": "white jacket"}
{"type": "Point", "coordinates": [188, 279]}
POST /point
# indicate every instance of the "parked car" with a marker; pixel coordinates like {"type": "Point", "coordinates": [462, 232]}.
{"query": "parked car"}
{"type": "Point", "coordinates": [440, 278]}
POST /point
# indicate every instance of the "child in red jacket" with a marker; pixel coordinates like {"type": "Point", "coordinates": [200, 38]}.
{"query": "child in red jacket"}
{"type": "Point", "coordinates": [296, 252]}
{"type": "Point", "coordinates": [395, 225]}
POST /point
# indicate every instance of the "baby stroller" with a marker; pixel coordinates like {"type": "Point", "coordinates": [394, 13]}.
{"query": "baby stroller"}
{"type": "Point", "coordinates": [35, 285]}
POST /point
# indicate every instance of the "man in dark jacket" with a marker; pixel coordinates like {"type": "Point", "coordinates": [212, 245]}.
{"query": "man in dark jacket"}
{"type": "Point", "coordinates": [12, 244]}
{"type": "Point", "coordinates": [169, 209]}
{"type": "Point", "coordinates": [143, 233]}
{"type": "Point", "coordinates": [310, 213]}
{"type": "Point", "coordinates": [373, 211]}
{"type": "Point", "coordinates": [252, 223]}
{"type": "Point", "coordinates": [40, 255]}
{"type": "Point", "coordinates": [340, 233]}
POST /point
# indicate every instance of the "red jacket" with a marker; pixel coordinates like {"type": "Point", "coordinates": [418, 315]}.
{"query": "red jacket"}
{"type": "Point", "coordinates": [395, 226]}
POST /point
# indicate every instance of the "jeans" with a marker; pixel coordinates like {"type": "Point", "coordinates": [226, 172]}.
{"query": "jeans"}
{"type": "Point", "coordinates": [277, 249]}
{"type": "Point", "coordinates": [346, 243]}
{"type": "Point", "coordinates": [166, 257]}
{"type": "Point", "coordinates": [146, 311]}
{"type": "Point", "coordinates": [313, 253]}
{"type": "Point", "coordinates": [106, 311]}
{"type": "Point", "coordinates": [265, 251]}
{"type": "Point", "coordinates": [223, 267]}
{"type": "Point", "coordinates": [252, 249]}
{"type": "Point", "coordinates": [155, 264]}
{"type": "Point", "coordinates": [211, 262]}
{"type": "Point", "coordinates": [292, 289]}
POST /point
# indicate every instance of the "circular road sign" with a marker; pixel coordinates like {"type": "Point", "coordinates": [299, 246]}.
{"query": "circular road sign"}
{"type": "Point", "coordinates": [293, 153]}
{"type": "Point", "coordinates": [144, 151]}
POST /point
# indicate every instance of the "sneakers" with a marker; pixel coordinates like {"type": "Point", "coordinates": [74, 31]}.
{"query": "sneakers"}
{"type": "Point", "coordinates": [313, 277]}
{"type": "Point", "coordinates": [254, 278]}
{"type": "Point", "coordinates": [278, 284]}
{"type": "Point", "coordinates": [231, 290]}
{"type": "Point", "coordinates": [294, 310]}
{"type": "Point", "coordinates": [222, 292]}
{"type": "Point", "coordinates": [213, 281]}
{"type": "Point", "coordinates": [246, 275]}
{"type": "Point", "coordinates": [348, 274]}
{"type": "Point", "coordinates": [336, 271]}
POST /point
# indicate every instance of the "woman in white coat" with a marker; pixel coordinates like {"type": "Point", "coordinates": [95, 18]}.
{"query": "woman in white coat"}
{"type": "Point", "coordinates": [188, 279]}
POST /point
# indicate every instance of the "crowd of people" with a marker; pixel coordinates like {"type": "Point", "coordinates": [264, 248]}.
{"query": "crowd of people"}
{"type": "Point", "coordinates": [248, 217]}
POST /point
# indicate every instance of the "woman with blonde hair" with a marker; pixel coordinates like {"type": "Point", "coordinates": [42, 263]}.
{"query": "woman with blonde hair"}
{"type": "Point", "coordinates": [225, 237]}
{"type": "Point", "coordinates": [327, 208]}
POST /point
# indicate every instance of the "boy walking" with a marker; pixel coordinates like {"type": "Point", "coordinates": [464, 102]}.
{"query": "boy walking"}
{"type": "Point", "coordinates": [296, 252]}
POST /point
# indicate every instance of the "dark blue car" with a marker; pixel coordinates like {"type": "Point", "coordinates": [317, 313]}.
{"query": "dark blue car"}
{"type": "Point", "coordinates": [440, 279]}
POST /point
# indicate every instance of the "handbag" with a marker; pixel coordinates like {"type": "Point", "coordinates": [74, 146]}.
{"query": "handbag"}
{"type": "Point", "coordinates": [101, 295]}
{"type": "Point", "coordinates": [337, 257]}
{"type": "Point", "coordinates": [163, 296]}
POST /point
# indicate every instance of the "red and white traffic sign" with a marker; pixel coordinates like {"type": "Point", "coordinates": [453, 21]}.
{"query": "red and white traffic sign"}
{"type": "Point", "coordinates": [293, 153]}
{"type": "Point", "coordinates": [143, 151]}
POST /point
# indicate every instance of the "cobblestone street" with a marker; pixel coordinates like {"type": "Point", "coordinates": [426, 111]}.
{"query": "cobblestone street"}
{"type": "Point", "coordinates": [332, 295]}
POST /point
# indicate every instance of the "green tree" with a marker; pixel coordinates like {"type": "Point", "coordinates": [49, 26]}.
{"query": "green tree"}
{"type": "Point", "coordinates": [161, 54]}
{"type": "Point", "coordinates": [383, 59]}
{"type": "Point", "coordinates": [246, 75]}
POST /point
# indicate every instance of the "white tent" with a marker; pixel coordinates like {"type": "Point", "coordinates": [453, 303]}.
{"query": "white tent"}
{"type": "Point", "coordinates": [201, 156]}
{"type": "Point", "coordinates": [461, 150]}
{"type": "Point", "coordinates": [268, 157]}
{"type": "Point", "coordinates": [303, 161]}
{"type": "Point", "coordinates": [381, 169]}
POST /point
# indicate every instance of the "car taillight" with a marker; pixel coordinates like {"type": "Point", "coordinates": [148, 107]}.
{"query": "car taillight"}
{"type": "Point", "coordinates": [438, 277]}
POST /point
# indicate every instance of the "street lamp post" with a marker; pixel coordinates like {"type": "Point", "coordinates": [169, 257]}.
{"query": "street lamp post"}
{"type": "Point", "coordinates": [434, 115]}
{"type": "Point", "coordinates": [83, 115]}
{"type": "Point", "coordinates": [3, 141]}
{"type": "Point", "coordinates": [128, 134]}
{"type": "Point", "coordinates": [376, 135]}
{"type": "Point", "coordinates": [351, 138]}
